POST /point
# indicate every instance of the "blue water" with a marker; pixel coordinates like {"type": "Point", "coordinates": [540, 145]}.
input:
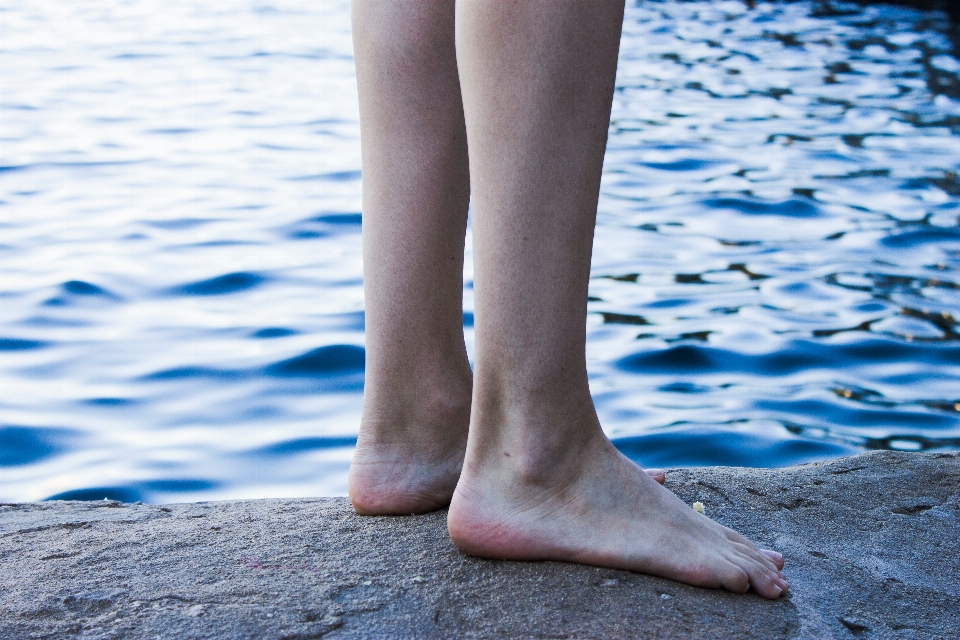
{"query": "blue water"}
{"type": "Point", "coordinates": [776, 276]}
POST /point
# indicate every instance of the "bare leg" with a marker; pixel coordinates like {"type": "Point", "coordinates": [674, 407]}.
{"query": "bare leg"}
{"type": "Point", "coordinates": [416, 406]}
{"type": "Point", "coordinates": [540, 480]}
{"type": "Point", "coordinates": [415, 192]}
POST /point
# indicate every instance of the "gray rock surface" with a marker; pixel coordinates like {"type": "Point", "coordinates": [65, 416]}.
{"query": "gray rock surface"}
{"type": "Point", "coordinates": [871, 544]}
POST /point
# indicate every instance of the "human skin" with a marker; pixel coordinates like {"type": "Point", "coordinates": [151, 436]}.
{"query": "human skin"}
{"type": "Point", "coordinates": [416, 189]}
{"type": "Point", "coordinates": [510, 102]}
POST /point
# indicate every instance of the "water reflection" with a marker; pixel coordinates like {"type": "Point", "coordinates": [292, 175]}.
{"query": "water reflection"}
{"type": "Point", "coordinates": [181, 312]}
{"type": "Point", "coordinates": [779, 233]}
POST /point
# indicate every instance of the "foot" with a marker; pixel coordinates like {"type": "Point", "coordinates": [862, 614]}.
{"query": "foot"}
{"type": "Point", "coordinates": [396, 472]}
{"type": "Point", "coordinates": [397, 477]}
{"type": "Point", "coordinates": [594, 506]}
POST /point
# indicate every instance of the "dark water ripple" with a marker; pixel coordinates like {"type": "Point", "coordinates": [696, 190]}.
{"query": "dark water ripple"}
{"type": "Point", "coordinates": [220, 285]}
{"type": "Point", "coordinates": [776, 275]}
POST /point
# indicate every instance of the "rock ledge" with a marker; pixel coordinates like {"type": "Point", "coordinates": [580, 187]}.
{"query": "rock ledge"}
{"type": "Point", "coordinates": [871, 544]}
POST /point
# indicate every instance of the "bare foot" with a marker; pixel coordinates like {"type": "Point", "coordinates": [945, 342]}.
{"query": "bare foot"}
{"type": "Point", "coordinates": [393, 473]}
{"type": "Point", "coordinates": [594, 506]}
{"type": "Point", "coordinates": [392, 480]}
{"type": "Point", "coordinates": [402, 477]}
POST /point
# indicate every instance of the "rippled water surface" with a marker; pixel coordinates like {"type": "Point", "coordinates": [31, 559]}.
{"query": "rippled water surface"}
{"type": "Point", "coordinates": [776, 276]}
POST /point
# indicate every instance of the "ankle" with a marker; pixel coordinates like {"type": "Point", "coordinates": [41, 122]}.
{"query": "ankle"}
{"type": "Point", "coordinates": [538, 449]}
{"type": "Point", "coordinates": [418, 413]}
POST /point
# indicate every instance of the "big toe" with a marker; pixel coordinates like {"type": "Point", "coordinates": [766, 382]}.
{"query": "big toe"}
{"type": "Point", "coordinates": [734, 578]}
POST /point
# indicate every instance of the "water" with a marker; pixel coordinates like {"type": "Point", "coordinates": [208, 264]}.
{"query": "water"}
{"type": "Point", "coordinates": [776, 276]}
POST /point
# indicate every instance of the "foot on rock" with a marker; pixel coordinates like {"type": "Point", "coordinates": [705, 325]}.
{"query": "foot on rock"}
{"type": "Point", "coordinates": [410, 448]}
{"type": "Point", "coordinates": [594, 506]}
{"type": "Point", "coordinates": [392, 482]}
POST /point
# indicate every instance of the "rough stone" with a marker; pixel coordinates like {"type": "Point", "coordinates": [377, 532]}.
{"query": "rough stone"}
{"type": "Point", "coordinates": [871, 545]}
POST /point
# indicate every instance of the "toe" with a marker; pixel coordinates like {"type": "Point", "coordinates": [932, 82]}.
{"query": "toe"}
{"type": "Point", "coordinates": [766, 583]}
{"type": "Point", "coordinates": [752, 554]}
{"type": "Point", "coordinates": [735, 579]}
{"type": "Point", "coordinates": [765, 577]}
{"type": "Point", "coordinates": [657, 474]}
{"type": "Point", "coordinates": [783, 584]}
{"type": "Point", "coordinates": [735, 537]}
{"type": "Point", "coordinates": [775, 557]}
